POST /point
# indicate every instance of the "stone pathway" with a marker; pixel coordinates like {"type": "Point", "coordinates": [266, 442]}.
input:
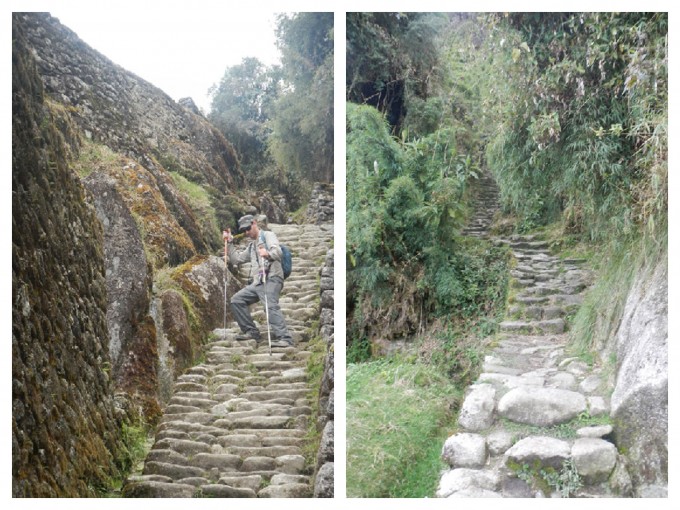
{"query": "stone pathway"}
{"type": "Point", "coordinates": [528, 423]}
{"type": "Point", "coordinates": [486, 205]}
{"type": "Point", "coordinates": [236, 424]}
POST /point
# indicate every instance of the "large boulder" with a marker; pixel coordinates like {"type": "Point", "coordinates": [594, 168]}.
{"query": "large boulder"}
{"type": "Point", "coordinates": [639, 404]}
{"type": "Point", "coordinates": [128, 278]}
{"type": "Point", "coordinates": [542, 407]}
{"type": "Point", "coordinates": [465, 450]}
{"type": "Point", "coordinates": [547, 451]}
{"type": "Point", "coordinates": [464, 479]}
{"type": "Point", "coordinates": [477, 411]}
{"type": "Point", "coordinates": [594, 459]}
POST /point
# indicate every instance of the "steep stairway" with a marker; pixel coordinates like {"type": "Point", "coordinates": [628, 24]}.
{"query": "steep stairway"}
{"type": "Point", "coordinates": [236, 424]}
{"type": "Point", "coordinates": [486, 205]}
{"type": "Point", "coordinates": [535, 423]}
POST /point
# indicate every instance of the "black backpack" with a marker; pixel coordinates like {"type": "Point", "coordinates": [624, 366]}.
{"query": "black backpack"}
{"type": "Point", "coordinates": [286, 258]}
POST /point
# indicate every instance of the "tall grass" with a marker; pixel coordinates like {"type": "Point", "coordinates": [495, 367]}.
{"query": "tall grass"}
{"type": "Point", "coordinates": [598, 318]}
{"type": "Point", "coordinates": [398, 411]}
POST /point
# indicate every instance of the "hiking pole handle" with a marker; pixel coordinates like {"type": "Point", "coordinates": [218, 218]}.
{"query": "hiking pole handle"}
{"type": "Point", "coordinates": [226, 235]}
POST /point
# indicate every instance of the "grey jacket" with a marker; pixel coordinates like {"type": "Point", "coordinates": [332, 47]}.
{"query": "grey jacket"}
{"type": "Point", "coordinates": [250, 254]}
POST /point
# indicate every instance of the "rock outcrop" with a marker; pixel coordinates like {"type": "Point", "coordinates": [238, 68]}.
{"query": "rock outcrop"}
{"type": "Point", "coordinates": [137, 152]}
{"type": "Point", "coordinates": [124, 112]}
{"type": "Point", "coordinates": [639, 403]}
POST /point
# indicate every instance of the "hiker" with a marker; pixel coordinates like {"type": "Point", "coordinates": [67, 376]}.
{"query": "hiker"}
{"type": "Point", "coordinates": [264, 254]}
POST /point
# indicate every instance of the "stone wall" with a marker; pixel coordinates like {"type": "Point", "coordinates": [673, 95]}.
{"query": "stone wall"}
{"type": "Point", "coordinates": [117, 108]}
{"type": "Point", "coordinates": [324, 471]}
{"type": "Point", "coordinates": [322, 203]}
{"type": "Point", "coordinates": [64, 423]}
{"type": "Point", "coordinates": [124, 136]}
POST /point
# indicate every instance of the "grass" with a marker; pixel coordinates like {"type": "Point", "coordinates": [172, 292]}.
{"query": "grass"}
{"type": "Point", "coordinates": [95, 156]}
{"type": "Point", "coordinates": [315, 368]}
{"type": "Point", "coordinates": [199, 201]}
{"type": "Point", "coordinates": [565, 430]}
{"type": "Point", "coordinates": [398, 412]}
{"type": "Point", "coordinates": [135, 443]}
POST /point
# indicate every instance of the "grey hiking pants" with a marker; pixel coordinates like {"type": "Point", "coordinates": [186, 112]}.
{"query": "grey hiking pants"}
{"type": "Point", "coordinates": [254, 293]}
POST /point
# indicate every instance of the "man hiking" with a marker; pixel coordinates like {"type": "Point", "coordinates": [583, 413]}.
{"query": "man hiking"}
{"type": "Point", "coordinates": [266, 276]}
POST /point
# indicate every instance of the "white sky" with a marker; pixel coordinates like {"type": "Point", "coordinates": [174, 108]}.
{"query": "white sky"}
{"type": "Point", "coordinates": [181, 50]}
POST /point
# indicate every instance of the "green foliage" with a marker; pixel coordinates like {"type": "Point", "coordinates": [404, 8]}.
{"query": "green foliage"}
{"type": "Point", "coordinates": [391, 218]}
{"type": "Point", "coordinates": [241, 107]}
{"type": "Point", "coordinates": [135, 443]}
{"type": "Point", "coordinates": [133, 446]}
{"type": "Point", "coordinates": [390, 55]}
{"type": "Point", "coordinates": [396, 410]}
{"type": "Point", "coordinates": [566, 481]}
{"type": "Point", "coordinates": [617, 265]}
{"type": "Point", "coordinates": [302, 123]}
{"type": "Point", "coordinates": [94, 157]}
{"type": "Point", "coordinates": [200, 202]}
{"type": "Point", "coordinates": [280, 118]}
{"type": "Point", "coordinates": [358, 351]}
{"type": "Point", "coordinates": [315, 368]}
{"type": "Point", "coordinates": [405, 205]}
{"type": "Point", "coordinates": [580, 101]}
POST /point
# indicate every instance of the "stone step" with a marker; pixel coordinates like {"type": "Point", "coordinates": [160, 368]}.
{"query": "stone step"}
{"type": "Point", "coordinates": [543, 327]}
{"type": "Point", "coordinates": [264, 451]}
{"type": "Point", "coordinates": [536, 313]}
{"type": "Point", "coordinates": [155, 489]}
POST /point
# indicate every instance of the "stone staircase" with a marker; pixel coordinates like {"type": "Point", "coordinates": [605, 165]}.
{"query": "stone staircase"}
{"type": "Point", "coordinates": [535, 423]}
{"type": "Point", "coordinates": [236, 424]}
{"type": "Point", "coordinates": [486, 205]}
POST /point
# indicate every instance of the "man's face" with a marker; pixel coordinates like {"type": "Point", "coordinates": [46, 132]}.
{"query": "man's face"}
{"type": "Point", "coordinates": [251, 231]}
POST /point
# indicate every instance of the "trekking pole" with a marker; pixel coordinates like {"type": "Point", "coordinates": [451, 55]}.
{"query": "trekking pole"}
{"type": "Point", "coordinates": [266, 307]}
{"type": "Point", "coordinates": [226, 271]}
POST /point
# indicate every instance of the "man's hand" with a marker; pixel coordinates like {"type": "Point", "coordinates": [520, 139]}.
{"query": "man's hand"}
{"type": "Point", "coordinates": [226, 235]}
{"type": "Point", "coordinates": [263, 252]}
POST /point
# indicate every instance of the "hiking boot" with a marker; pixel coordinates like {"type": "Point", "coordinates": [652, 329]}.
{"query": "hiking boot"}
{"type": "Point", "coordinates": [248, 336]}
{"type": "Point", "coordinates": [282, 342]}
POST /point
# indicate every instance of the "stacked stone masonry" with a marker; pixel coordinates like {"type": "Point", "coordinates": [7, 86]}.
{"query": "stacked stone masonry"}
{"type": "Point", "coordinates": [236, 424]}
{"type": "Point", "coordinates": [322, 203]}
{"type": "Point", "coordinates": [325, 469]}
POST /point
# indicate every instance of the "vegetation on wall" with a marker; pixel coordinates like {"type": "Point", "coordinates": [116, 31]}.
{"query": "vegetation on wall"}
{"type": "Point", "coordinates": [581, 106]}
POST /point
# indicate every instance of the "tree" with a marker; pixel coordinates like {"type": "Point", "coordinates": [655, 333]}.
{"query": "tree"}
{"type": "Point", "coordinates": [241, 108]}
{"type": "Point", "coordinates": [390, 58]}
{"type": "Point", "coordinates": [580, 101]}
{"type": "Point", "coordinates": [302, 123]}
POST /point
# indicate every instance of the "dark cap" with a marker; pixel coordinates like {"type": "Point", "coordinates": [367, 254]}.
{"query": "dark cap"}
{"type": "Point", "coordinates": [245, 221]}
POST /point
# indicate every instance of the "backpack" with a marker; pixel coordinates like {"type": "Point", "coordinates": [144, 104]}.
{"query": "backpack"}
{"type": "Point", "coordinates": [286, 257]}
